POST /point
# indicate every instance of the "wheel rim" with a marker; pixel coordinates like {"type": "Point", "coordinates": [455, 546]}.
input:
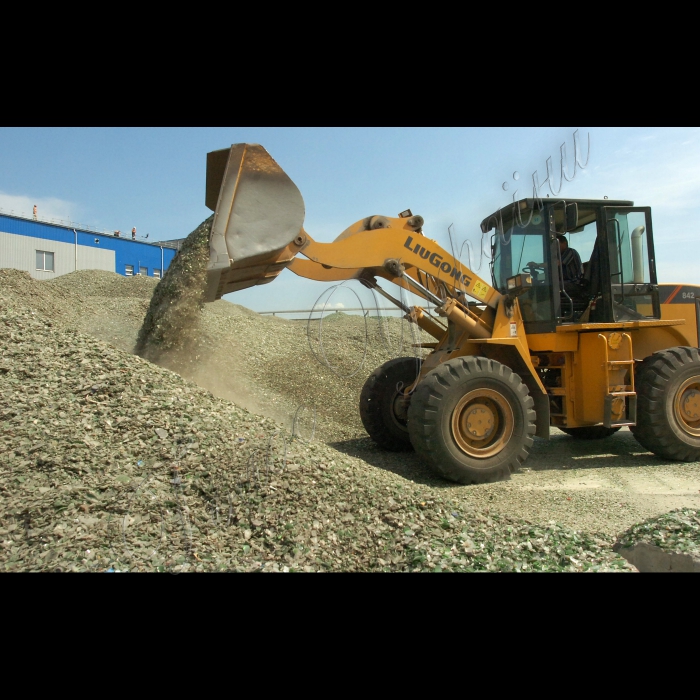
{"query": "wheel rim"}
{"type": "Point", "coordinates": [482, 423]}
{"type": "Point", "coordinates": [399, 410]}
{"type": "Point", "coordinates": [687, 406]}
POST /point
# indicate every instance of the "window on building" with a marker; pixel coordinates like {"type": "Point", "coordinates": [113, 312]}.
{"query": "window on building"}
{"type": "Point", "coordinates": [129, 270]}
{"type": "Point", "coordinates": [143, 271]}
{"type": "Point", "coordinates": [44, 260]}
{"type": "Point", "coordinates": [156, 272]}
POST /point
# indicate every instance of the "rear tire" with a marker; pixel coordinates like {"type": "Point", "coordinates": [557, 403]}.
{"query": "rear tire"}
{"type": "Point", "coordinates": [382, 410]}
{"type": "Point", "coordinates": [590, 432]}
{"type": "Point", "coordinates": [472, 420]}
{"type": "Point", "coordinates": [668, 404]}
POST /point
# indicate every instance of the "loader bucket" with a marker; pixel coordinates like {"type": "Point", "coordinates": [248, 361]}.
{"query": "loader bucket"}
{"type": "Point", "coordinates": [258, 212]}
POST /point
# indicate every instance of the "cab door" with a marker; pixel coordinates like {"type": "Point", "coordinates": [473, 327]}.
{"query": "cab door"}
{"type": "Point", "coordinates": [633, 285]}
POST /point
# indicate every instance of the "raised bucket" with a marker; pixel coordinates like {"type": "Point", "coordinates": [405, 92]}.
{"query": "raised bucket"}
{"type": "Point", "coordinates": [259, 211]}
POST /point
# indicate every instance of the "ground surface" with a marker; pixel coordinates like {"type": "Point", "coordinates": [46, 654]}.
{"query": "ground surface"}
{"type": "Point", "coordinates": [279, 370]}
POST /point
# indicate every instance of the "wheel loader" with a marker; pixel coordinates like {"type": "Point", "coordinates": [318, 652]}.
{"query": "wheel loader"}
{"type": "Point", "coordinates": [511, 356]}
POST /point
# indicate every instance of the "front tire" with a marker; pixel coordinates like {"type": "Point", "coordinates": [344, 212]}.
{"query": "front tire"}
{"type": "Point", "coordinates": [668, 404]}
{"type": "Point", "coordinates": [382, 409]}
{"type": "Point", "coordinates": [472, 420]}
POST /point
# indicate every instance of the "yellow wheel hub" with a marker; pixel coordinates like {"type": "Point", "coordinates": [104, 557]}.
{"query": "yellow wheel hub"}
{"type": "Point", "coordinates": [480, 420]}
{"type": "Point", "coordinates": [687, 406]}
{"type": "Point", "coordinates": [482, 423]}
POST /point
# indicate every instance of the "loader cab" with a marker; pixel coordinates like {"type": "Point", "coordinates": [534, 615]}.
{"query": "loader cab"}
{"type": "Point", "coordinates": [614, 241]}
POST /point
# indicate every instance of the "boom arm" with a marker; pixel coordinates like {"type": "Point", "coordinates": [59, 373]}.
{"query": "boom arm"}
{"type": "Point", "coordinates": [398, 241]}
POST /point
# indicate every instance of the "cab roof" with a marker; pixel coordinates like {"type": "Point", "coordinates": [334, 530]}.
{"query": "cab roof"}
{"type": "Point", "coordinates": [527, 205]}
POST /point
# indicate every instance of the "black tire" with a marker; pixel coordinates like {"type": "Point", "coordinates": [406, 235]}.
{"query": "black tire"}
{"type": "Point", "coordinates": [382, 415]}
{"type": "Point", "coordinates": [668, 385]}
{"type": "Point", "coordinates": [448, 403]}
{"type": "Point", "coordinates": [590, 432]}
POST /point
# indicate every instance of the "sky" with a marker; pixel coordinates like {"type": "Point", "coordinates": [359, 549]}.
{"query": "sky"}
{"type": "Point", "coordinates": [154, 179]}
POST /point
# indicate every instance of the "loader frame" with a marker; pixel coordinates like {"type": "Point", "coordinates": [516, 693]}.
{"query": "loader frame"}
{"type": "Point", "coordinates": [513, 355]}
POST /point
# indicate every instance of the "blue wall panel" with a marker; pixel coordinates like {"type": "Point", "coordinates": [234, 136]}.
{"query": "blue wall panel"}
{"type": "Point", "coordinates": [36, 229]}
{"type": "Point", "coordinates": [126, 251]}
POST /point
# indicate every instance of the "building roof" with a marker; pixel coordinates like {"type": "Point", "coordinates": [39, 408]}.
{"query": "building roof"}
{"type": "Point", "coordinates": [27, 222]}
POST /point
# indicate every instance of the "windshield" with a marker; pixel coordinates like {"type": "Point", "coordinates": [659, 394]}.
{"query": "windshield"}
{"type": "Point", "coordinates": [519, 249]}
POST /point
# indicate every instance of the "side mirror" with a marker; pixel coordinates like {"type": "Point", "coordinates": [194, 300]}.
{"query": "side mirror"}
{"type": "Point", "coordinates": [571, 216]}
{"type": "Point", "coordinates": [567, 218]}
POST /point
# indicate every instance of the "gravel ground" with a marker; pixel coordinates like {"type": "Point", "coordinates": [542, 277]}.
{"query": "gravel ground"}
{"type": "Point", "coordinates": [115, 462]}
{"type": "Point", "coordinates": [677, 531]}
{"type": "Point", "coordinates": [102, 304]}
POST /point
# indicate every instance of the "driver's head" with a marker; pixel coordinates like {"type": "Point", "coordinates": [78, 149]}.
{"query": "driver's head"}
{"type": "Point", "coordinates": [563, 243]}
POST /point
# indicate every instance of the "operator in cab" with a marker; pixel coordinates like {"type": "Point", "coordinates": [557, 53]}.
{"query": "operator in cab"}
{"type": "Point", "coordinates": [571, 267]}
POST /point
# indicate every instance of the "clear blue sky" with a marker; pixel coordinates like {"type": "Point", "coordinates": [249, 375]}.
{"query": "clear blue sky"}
{"type": "Point", "coordinates": [154, 179]}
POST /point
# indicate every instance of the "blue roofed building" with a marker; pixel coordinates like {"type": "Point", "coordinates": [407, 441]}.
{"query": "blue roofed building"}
{"type": "Point", "coordinates": [47, 249]}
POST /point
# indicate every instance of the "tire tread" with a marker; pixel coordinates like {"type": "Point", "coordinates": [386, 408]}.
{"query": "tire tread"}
{"type": "Point", "coordinates": [424, 428]}
{"type": "Point", "coordinates": [654, 379]}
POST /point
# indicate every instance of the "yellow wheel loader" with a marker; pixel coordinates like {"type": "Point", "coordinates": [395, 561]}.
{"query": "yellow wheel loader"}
{"type": "Point", "coordinates": [511, 356]}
